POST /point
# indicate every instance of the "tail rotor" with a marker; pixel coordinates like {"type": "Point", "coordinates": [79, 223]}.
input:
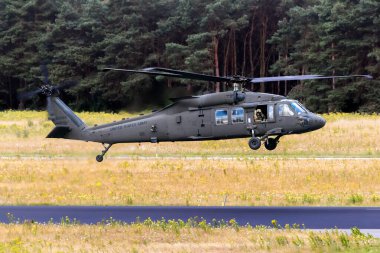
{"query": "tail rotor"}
{"type": "Point", "coordinates": [47, 88]}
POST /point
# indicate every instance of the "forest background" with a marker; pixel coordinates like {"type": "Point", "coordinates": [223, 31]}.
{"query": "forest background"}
{"type": "Point", "coordinates": [253, 38]}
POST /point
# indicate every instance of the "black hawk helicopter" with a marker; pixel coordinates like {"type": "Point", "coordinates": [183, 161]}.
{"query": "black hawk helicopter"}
{"type": "Point", "coordinates": [225, 115]}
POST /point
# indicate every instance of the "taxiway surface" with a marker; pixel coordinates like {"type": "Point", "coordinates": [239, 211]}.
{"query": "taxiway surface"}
{"type": "Point", "coordinates": [306, 217]}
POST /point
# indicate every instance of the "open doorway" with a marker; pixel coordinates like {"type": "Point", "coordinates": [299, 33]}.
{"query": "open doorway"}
{"type": "Point", "coordinates": [263, 113]}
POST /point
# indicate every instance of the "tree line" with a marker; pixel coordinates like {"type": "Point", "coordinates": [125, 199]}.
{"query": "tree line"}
{"type": "Point", "coordinates": [253, 38]}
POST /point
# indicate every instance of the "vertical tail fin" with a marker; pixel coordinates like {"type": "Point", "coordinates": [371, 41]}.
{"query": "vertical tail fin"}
{"type": "Point", "coordinates": [67, 124]}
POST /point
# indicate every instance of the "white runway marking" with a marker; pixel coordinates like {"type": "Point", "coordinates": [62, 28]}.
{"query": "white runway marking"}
{"type": "Point", "coordinates": [163, 157]}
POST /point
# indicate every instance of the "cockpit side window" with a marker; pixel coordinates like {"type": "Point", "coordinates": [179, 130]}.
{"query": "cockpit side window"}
{"type": "Point", "coordinates": [285, 110]}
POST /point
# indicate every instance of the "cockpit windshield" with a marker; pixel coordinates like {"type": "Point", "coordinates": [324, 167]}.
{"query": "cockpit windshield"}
{"type": "Point", "coordinates": [302, 106]}
{"type": "Point", "coordinates": [297, 108]}
{"type": "Point", "coordinates": [291, 108]}
{"type": "Point", "coordinates": [285, 110]}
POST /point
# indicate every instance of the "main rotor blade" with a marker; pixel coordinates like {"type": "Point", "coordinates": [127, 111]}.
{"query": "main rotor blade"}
{"type": "Point", "coordinates": [192, 75]}
{"type": "Point", "coordinates": [301, 77]}
{"type": "Point", "coordinates": [157, 71]}
{"type": "Point", "coordinates": [351, 76]}
{"type": "Point", "coordinates": [174, 73]}
{"type": "Point", "coordinates": [142, 71]}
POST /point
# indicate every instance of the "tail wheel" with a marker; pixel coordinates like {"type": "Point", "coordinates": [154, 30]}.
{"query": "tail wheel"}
{"type": "Point", "coordinates": [270, 143]}
{"type": "Point", "coordinates": [99, 158]}
{"type": "Point", "coordinates": [254, 143]}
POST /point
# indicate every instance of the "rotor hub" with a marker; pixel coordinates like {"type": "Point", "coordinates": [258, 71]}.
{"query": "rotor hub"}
{"type": "Point", "coordinates": [238, 82]}
{"type": "Point", "coordinates": [49, 90]}
{"type": "Point", "coordinates": [237, 86]}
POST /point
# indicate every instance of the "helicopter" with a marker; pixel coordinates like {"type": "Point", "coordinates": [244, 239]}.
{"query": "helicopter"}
{"type": "Point", "coordinates": [238, 113]}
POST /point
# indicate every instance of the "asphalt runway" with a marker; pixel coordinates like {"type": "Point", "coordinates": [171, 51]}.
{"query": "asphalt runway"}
{"type": "Point", "coordinates": [306, 217]}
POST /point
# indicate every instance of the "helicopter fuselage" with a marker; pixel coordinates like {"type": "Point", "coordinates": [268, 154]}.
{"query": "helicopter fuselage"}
{"type": "Point", "coordinates": [211, 117]}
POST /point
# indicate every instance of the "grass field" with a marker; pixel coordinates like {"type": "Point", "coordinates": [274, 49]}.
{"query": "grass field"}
{"type": "Point", "coordinates": [175, 236]}
{"type": "Point", "coordinates": [66, 174]}
{"type": "Point", "coordinates": [71, 176]}
{"type": "Point", "coordinates": [181, 182]}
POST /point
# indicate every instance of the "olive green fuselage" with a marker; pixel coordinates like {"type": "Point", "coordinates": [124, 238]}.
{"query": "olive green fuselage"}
{"type": "Point", "coordinates": [206, 118]}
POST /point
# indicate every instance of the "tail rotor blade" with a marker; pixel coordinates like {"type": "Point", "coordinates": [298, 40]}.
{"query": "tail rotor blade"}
{"type": "Point", "coordinates": [46, 88]}
{"type": "Point", "coordinates": [28, 95]}
{"type": "Point", "coordinates": [45, 73]}
{"type": "Point", "coordinates": [66, 84]}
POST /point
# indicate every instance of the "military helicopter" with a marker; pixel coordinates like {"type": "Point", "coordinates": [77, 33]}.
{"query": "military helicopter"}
{"type": "Point", "coordinates": [238, 113]}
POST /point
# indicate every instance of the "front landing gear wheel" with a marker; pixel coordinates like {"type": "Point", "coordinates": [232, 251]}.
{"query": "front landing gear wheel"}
{"type": "Point", "coordinates": [99, 158]}
{"type": "Point", "coordinates": [270, 144]}
{"type": "Point", "coordinates": [254, 143]}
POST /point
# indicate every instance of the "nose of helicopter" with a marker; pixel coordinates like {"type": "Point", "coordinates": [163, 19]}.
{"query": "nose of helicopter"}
{"type": "Point", "coordinates": [318, 122]}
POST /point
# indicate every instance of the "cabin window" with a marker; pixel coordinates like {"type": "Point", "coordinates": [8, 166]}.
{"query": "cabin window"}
{"type": "Point", "coordinates": [237, 115]}
{"type": "Point", "coordinates": [221, 117]}
{"type": "Point", "coordinates": [284, 110]}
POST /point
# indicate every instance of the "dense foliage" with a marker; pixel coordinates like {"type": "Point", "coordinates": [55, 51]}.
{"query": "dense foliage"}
{"type": "Point", "coordinates": [223, 37]}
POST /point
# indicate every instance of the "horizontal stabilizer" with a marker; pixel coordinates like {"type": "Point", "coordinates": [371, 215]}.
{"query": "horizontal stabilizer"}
{"type": "Point", "coordinates": [59, 132]}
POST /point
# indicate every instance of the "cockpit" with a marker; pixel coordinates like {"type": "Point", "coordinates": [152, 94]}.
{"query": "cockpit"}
{"type": "Point", "coordinates": [294, 110]}
{"type": "Point", "coordinates": [291, 108]}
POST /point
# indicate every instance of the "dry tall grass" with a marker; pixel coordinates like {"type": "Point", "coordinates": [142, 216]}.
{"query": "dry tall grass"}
{"type": "Point", "coordinates": [80, 180]}
{"type": "Point", "coordinates": [197, 182]}
{"type": "Point", "coordinates": [141, 238]}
